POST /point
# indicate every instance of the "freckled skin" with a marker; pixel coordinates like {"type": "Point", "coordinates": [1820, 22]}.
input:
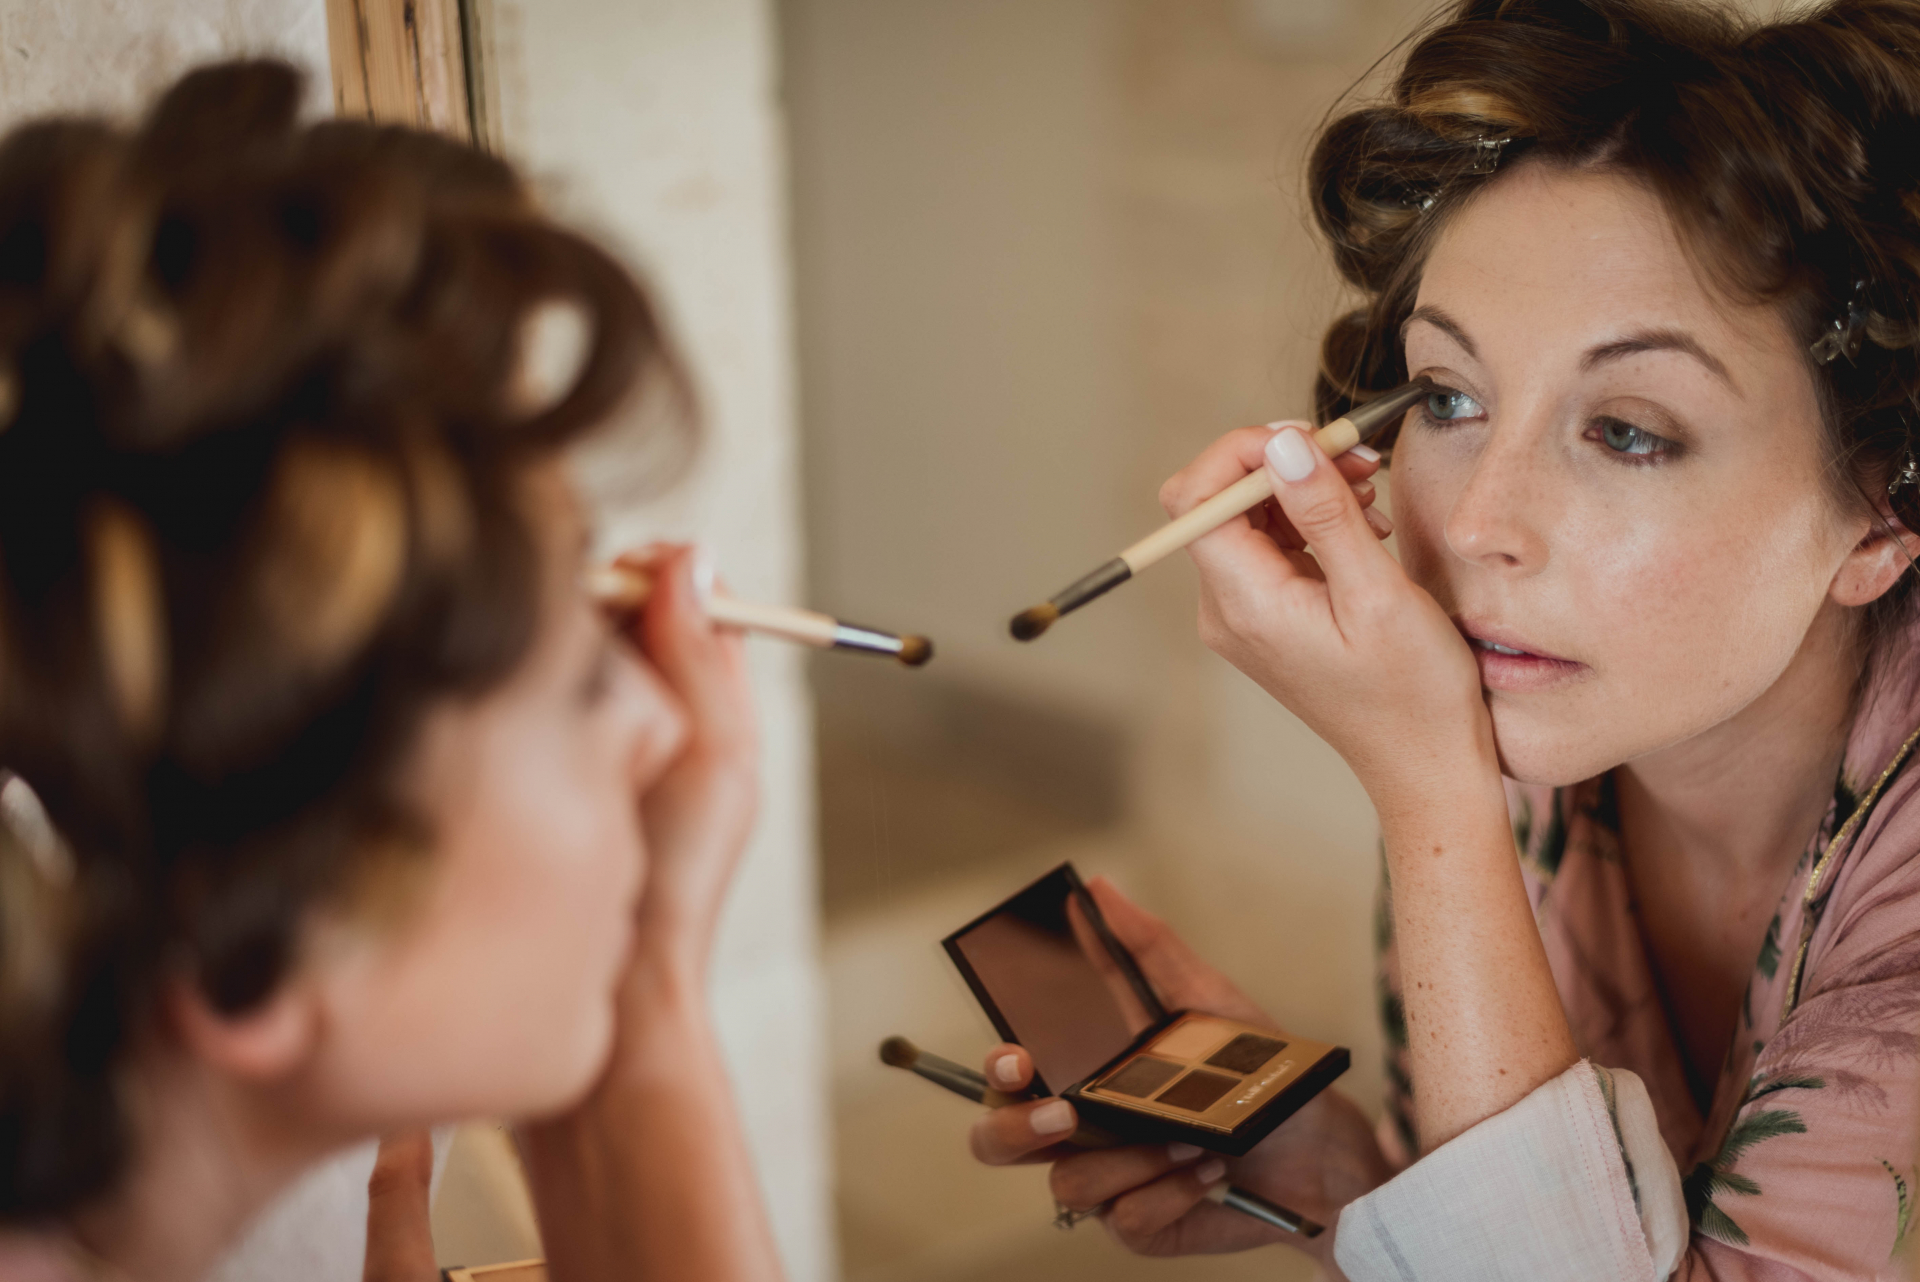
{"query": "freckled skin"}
{"type": "Point", "coordinates": [1686, 587]}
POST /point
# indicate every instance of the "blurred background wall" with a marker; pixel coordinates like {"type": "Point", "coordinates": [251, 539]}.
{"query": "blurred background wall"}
{"type": "Point", "coordinates": [1045, 252]}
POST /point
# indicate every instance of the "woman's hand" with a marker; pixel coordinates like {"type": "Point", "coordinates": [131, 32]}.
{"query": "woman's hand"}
{"type": "Point", "coordinates": [1318, 1160]}
{"type": "Point", "coordinates": [698, 816]}
{"type": "Point", "coordinates": [649, 1176]}
{"type": "Point", "coordinates": [399, 1211]}
{"type": "Point", "coordinates": [1370, 662]}
{"type": "Point", "coordinates": [1340, 636]}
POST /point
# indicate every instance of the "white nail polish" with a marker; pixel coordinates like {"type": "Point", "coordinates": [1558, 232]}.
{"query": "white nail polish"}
{"type": "Point", "coordinates": [1210, 1173]}
{"type": "Point", "coordinates": [1052, 1118]}
{"type": "Point", "coordinates": [1290, 455]}
{"type": "Point", "coordinates": [1007, 1069]}
{"type": "Point", "coordinates": [1366, 452]}
{"type": "Point", "coordinates": [1183, 1152]}
{"type": "Point", "coordinates": [703, 573]}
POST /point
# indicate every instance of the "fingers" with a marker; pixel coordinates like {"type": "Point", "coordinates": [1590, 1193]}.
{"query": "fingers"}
{"type": "Point", "coordinates": [1317, 502]}
{"type": "Point", "coordinates": [705, 666]}
{"type": "Point", "coordinates": [399, 1223]}
{"type": "Point", "coordinates": [1009, 1068]}
{"type": "Point", "coordinates": [1022, 1132]}
{"type": "Point", "coordinates": [1242, 451]}
{"type": "Point", "coordinates": [1180, 976]}
{"type": "Point", "coordinates": [1140, 1216]}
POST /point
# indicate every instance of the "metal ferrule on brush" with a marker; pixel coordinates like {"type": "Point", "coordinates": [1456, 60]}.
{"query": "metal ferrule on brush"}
{"type": "Point", "coordinates": [850, 636]}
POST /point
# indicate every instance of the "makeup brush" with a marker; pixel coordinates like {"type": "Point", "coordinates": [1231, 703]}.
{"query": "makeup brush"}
{"type": "Point", "coordinates": [1353, 428]}
{"type": "Point", "coordinates": [898, 1052]}
{"type": "Point", "coordinates": [621, 587]}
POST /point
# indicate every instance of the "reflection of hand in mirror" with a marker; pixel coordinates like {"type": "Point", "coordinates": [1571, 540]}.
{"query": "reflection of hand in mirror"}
{"type": "Point", "coordinates": [1317, 1161]}
{"type": "Point", "coordinates": [1131, 1008]}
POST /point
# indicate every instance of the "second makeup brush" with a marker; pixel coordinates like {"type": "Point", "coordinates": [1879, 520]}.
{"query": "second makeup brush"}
{"type": "Point", "coordinates": [1355, 427]}
{"type": "Point", "coordinates": [620, 587]}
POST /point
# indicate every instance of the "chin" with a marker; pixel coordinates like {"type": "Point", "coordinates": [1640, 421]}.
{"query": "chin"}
{"type": "Point", "coordinates": [572, 1065]}
{"type": "Point", "coordinates": [1550, 754]}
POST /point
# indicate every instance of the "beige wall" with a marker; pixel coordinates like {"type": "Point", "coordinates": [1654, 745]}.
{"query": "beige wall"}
{"type": "Point", "coordinates": [654, 122]}
{"type": "Point", "coordinates": [114, 55]}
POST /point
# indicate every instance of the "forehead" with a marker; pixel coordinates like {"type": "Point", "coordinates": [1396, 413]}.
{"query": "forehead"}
{"type": "Point", "coordinates": [1548, 254]}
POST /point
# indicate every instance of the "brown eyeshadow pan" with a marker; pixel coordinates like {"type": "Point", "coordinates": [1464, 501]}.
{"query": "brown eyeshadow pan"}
{"type": "Point", "coordinates": [1197, 1091]}
{"type": "Point", "coordinates": [1142, 1077]}
{"type": "Point", "coordinates": [1246, 1052]}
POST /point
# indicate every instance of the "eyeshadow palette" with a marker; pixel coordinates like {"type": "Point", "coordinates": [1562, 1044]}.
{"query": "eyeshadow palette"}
{"type": "Point", "coordinates": [1052, 977]}
{"type": "Point", "coordinates": [1207, 1071]}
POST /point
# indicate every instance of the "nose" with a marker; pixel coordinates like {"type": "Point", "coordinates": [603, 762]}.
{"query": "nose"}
{"type": "Point", "coordinates": [1491, 522]}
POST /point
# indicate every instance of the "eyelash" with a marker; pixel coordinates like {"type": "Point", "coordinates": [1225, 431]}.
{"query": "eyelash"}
{"type": "Point", "coordinates": [1658, 449]}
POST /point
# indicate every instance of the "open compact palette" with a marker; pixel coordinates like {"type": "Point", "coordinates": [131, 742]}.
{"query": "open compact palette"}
{"type": "Point", "coordinates": [1053, 979]}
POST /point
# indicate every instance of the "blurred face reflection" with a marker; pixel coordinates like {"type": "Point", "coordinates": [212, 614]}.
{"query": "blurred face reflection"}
{"type": "Point", "coordinates": [494, 994]}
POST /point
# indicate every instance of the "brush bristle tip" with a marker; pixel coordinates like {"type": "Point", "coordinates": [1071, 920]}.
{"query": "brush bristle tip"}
{"type": "Point", "coordinates": [1030, 623]}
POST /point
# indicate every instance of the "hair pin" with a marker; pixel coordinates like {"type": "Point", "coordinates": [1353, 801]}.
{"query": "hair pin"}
{"type": "Point", "coordinates": [1909, 473]}
{"type": "Point", "coordinates": [1844, 337]}
{"type": "Point", "coordinates": [1491, 149]}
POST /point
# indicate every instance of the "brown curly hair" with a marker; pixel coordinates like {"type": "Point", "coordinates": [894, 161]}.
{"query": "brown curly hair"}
{"type": "Point", "coordinates": [262, 503]}
{"type": "Point", "coordinates": [1787, 154]}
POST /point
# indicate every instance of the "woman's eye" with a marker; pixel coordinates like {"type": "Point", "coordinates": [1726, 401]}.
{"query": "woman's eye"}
{"type": "Point", "coordinates": [1624, 438]}
{"type": "Point", "coordinates": [1447, 406]}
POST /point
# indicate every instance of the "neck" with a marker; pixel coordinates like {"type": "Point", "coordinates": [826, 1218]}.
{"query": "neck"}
{"type": "Point", "coordinates": [1746, 796]}
{"type": "Point", "coordinates": [207, 1158]}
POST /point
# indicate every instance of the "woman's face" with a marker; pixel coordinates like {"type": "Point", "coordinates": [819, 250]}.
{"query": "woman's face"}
{"type": "Point", "coordinates": [1624, 481]}
{"type": "Point", "coordinates": [491, 992]}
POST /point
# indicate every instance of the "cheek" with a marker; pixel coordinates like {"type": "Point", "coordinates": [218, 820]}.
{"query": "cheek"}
{"type": "Point", "coordinates": [1685, 614]}
{"type": "Point", "coordinates": [497, 997]}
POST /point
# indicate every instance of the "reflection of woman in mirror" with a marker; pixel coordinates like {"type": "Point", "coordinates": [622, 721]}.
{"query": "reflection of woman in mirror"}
{"type": "Point", "coordinates": [334, 806]}
{"type": "Point", "coordinates": [1655, 549]}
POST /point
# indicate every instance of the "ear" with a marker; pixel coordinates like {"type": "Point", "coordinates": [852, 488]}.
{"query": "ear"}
{"type": "Point", "coordinates": [266, 1042]}
{"type": "Point", "coordinates": [1888, 550]}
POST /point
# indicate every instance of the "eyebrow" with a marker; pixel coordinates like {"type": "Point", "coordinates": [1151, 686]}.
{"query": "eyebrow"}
{"type": "Point", "coordinates": [1646, 340]}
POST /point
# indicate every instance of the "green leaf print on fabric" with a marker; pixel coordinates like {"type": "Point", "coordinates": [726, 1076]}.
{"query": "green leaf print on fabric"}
{"type": "Point", "coordinates": [1903, 1208]}
{"type": "Point", "coordinates": [1553, 842]}
{"type": "Point", "coordinates": [1769, 962]}
{"type": "Point", "coordinates": [1713, 1179]}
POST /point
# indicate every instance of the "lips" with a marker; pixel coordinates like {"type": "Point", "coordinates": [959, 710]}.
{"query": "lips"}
{"type": "Point", "coordinates": [1511, 664]}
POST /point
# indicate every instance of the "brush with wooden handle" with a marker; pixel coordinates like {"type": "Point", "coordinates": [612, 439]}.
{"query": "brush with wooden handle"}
{"type": "Point", "coordinates": [621, 587]}
{"type": "Point", "coordinates": [898, 1052]}
{"type": "Point", "coordinates": [1355, 427]}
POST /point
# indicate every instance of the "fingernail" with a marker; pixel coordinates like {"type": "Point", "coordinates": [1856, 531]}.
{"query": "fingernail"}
{"type": "Point", "coordinates": [702, 573]}
{"type": "Point", "coordinates": [1007, 1069]}
{"type": "Point", "coordinates": [1210, 1173]}
{"type": "Point", "coordinates": [1378, 523]}
{"type": "Point", "coordinates": [1366, 452]}
{"type": "Point", "coordinates": [1290, 455]}
{"type": "Point", "coordinates": [1052, 1118]}
{"type": "Point", "coordinates": [1183, 1152]}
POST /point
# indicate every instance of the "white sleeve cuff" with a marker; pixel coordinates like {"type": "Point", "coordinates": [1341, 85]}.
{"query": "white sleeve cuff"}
{"type": "Point", "coordinates": [1571, 1183]}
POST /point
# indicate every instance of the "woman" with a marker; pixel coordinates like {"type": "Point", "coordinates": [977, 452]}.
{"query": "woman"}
{"type": "Point", "coordinates": [334, 806]}
{"type": "Point", "coordinates": [1656, 537]}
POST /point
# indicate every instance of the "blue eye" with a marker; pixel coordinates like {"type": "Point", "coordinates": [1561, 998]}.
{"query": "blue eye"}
{"type": "Point", "coordinates": [1447, 405]}
{"type": "Point", "coordinates": [1625, 438]}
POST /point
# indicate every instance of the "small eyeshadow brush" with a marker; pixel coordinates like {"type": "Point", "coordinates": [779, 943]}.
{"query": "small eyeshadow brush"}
{"type": "Point", "coordinates": [620, 587]}
{"type": "Point", "coordinates": [1357, 426]}
{"type": "Point", "coordinates": [898, 1052]}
